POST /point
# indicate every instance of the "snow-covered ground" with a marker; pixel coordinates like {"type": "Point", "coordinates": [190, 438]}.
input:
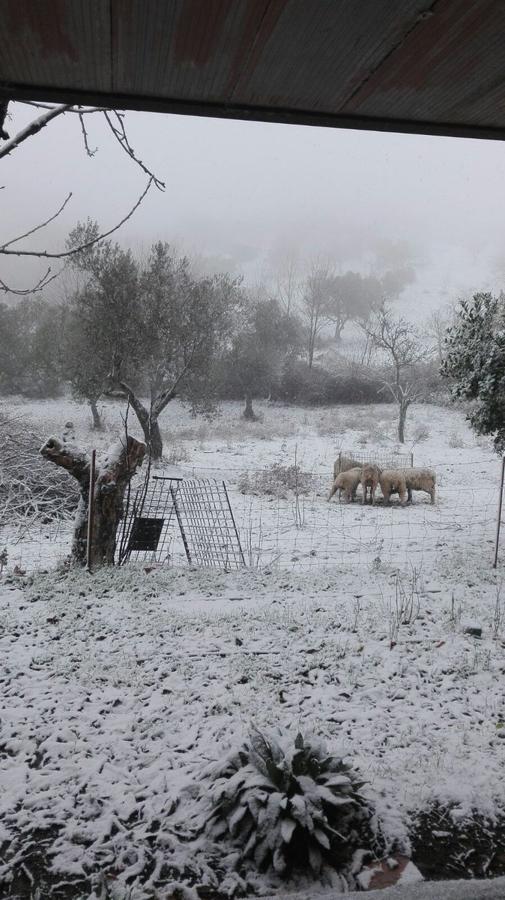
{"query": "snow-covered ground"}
{"type": "Point", "coordinates": [119, 688]}
{"type": "Point", "coordinates": [309, 532]}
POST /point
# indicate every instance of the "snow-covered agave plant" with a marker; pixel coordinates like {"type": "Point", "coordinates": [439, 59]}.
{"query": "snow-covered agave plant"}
{"type": "Point", "coordinates": [288, 805]}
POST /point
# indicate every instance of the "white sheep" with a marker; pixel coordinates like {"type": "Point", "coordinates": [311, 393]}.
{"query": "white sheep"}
{"type": "Point", "coordinates": [393, 481]}
{"type": "Point", "coordinates": [370, 475]}
{"type": "Point", "coordinates": [347, 482]}
{"type": "Point", "coordinates": [420, 480]}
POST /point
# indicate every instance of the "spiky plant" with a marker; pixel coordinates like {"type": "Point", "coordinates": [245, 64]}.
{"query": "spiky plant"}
{"type": "Point", "coordinates": [288, 805]}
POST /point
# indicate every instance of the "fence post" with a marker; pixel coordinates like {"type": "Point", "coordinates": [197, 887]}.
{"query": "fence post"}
{"type": "Point", "coordinates": [498, 523]}
{"type": "Point", "coordinates": [411, 459]}
{"type": "Point", "coordinates": [91, 510]}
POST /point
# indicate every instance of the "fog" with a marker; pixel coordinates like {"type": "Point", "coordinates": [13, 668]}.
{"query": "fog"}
{"type": "Point", "coordinates": [247, 193]}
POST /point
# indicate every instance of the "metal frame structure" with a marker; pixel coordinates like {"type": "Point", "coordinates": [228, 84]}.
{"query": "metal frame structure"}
{"type": "Point", "coordinates": [202, 510]}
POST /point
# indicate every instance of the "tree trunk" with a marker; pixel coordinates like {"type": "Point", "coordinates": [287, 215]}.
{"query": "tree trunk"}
{"type": "Point", "coordinates": [249, 413]}
{"type": "Point", "coordinates": [112, 477]}
{"type": "Point", "coordinates": [401, 422]}
{"type": "Point", "coordinates": [97, 422]}
{"type": "Point", "coordinates": [311, 351]}
{"type": "Point", "coordinates": [152, 434]}
{"type": "Point", "coordinates": [155, 440]}
{"type": "Point", "coordinates": [148, 421]}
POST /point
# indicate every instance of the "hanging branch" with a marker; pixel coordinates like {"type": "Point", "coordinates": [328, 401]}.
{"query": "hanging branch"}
{"type": "Point", "coordinates": [119, 133]}
{"type": "Point", "coordinates": [37, 227]}
{"type": "Point", "coordinates": [50, 113]}
{"type": "Point", "coordinates": [89, 151]}
{"type": "Point", "coordinates": [45, 254]}
{"type": "Point", "coordinates": [39, 286]}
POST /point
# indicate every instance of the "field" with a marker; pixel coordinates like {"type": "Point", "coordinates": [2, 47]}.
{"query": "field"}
{"type": "Point", "coordinates": [351, 622]}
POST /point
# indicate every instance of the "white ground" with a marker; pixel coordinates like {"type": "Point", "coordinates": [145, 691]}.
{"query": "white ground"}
{"type": "Point", "coordinates": [118, 688]}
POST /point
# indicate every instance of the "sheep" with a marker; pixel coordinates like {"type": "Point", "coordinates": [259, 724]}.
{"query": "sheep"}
{"type": "Point", "coordinates": [393, 481]}
{"type": "Point", "coordinates": [369, 479]}
{"type": "Point", "coordinates": [420, 480]}
{"type": "Point", "coordinates": [343, 464]}
{"type": "Point", "coordinates": [347, 482]}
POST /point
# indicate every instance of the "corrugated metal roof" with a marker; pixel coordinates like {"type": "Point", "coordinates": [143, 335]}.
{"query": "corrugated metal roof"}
{"type": "Point", "coordinates": [410, 65]}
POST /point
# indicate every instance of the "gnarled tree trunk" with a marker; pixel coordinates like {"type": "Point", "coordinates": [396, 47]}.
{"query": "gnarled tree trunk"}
{"type": "Point", "coordinates": [112, 476]}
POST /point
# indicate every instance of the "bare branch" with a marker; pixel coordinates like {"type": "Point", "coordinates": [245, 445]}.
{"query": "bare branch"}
{"type": "Point", "coordinates": [89, 151]}
{"type": "Point", "coordinates": [44, 254]}
{"type": "Point", "coordinates": [37, 227]}
{"type": "Point", "coordinates": [39, 286]}
{"type": "Point", "coordinates": [33, 128]}
{"type": "Point", "coordinates": [77, 110]}
{"type": "Point", "coordinates": [119, 133]}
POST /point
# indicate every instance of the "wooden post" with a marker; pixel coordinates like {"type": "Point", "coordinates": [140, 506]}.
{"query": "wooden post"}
{"type": "Point", "coordinates": [411, 459]}
{"type": "Point", "coordinates": [91, 510]}
{"type": "Point", "coordinates": [498, 523]}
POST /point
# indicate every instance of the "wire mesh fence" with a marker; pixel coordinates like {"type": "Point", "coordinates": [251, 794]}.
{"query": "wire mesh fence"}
{"type": "Point", "coordinates": [291, 529]}
{"type": "Point", "coordinates": [383, 459]}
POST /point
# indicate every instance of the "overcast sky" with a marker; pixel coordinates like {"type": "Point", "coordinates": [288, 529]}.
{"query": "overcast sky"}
{"type": "Point", "coordinates": [247, 190]}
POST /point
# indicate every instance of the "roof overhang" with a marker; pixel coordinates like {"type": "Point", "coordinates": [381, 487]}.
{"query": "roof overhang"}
{"type": "Point", "coordinates": [389, 65]}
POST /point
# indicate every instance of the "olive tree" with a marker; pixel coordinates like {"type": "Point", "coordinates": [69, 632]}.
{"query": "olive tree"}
{"type": "Point", "coordinates": [474, 358]}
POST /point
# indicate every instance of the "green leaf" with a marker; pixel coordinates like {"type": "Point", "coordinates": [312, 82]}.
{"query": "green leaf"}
{"type": "Point", "coordinates": [299, 741]}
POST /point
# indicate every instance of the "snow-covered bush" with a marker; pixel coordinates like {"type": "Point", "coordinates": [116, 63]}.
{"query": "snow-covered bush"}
{"type": "Point", "coordinates": [421, 433]}
{"type": "Point", "coordinates": [456, 441]}
{"type": "Point", "coordinates": [286, 805]}
{"type": "Point", "coordinates": [277, 481]}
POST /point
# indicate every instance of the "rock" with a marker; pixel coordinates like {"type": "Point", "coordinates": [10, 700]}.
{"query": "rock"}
{"type": "Point", "coordinates": [472, 628]}
{"type": "Point", "coordinates": [388, 872]}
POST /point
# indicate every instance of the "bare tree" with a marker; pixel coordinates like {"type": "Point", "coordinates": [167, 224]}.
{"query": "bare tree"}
{"type": "Point", "coordinates": [115, 124]}
{"type": "Point", "coordinates": [437, 326]}
{"type": "Point", "coordinates": [314, 307]}
{"type": "Point", "coordinates": [399, 343]}
{"type": "Point", "coordinates": [288, 283]}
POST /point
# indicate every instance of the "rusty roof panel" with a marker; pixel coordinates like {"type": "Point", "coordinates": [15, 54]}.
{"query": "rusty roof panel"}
{"type": "Point", "coordinates": [55, 42]}
{"type": "Point", "coordinates": [191, 47]}
{"type": "Point", "coordinates": [319, 52]}
{"type": "Point", "coordinates": [445, 68]}
{"type": "Point", "coordinates": [421, 65]}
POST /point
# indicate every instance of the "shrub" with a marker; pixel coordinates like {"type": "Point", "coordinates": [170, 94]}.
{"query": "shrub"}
{"type": "Point", "coordinates": [318, 387]}
{"type": "Point", "coordinates": [456, 441]}
{"type": "Point", "coordinates": [178, 453]}
{"type": "Point", "coordinates": [289, 805]}
{"type": "Point", "coordinates": [277, 481]}
{"type": "Point", "coordinates": [421, 433]}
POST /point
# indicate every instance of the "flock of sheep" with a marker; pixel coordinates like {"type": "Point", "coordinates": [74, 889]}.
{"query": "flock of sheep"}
{"type": "Point", "coordinates": [348, 475]}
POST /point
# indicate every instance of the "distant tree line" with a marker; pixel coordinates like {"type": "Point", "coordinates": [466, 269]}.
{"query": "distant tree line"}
{"type": "Point", "coordinates": [148, 330]}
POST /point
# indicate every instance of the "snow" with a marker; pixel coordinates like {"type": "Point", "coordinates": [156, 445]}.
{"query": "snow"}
{"type": "Point", "coordinates": [121, 688]}
{"type": "Point", "coordinates": [494, 889]}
